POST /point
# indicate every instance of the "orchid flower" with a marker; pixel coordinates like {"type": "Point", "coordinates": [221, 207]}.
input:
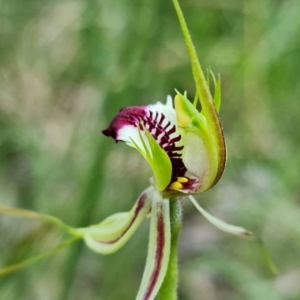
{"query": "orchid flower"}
{"type": "Point", "coordinates": [185, 148]}
{"type": "Point", "coordinates": [185, 157]}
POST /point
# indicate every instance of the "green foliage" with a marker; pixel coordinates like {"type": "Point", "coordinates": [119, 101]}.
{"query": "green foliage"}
{"type": "Point", "coordinates": [66, 67]}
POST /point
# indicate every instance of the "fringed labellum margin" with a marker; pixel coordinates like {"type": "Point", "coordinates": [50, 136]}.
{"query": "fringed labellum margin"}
{"type": "Point", "coordinates": [175, 142]}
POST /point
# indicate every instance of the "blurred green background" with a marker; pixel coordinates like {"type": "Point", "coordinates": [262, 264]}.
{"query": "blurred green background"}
{"type": "Point", "coordinates": [67, 67]}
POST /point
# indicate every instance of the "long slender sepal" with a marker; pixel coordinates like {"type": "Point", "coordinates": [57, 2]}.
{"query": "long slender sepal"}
{"type": "Point", "coordinates": [111, 234]}
{"type": "Point", "coordinates": [200, 81]}
{"type": "Point", "coordinates": [267, 256]}
{"type": "Point", "coordinates": [158, 249]}
{"type": "Point", "coordinates": [26, 263]}
{"type": "Point", "coordinates": [24, 213]}
{"type": "Point", "coordinates": [205, 97]}
{"type": "Point", "coordinates": [239, 231]}
{"type": "Point", "coordinates": [236, 230]}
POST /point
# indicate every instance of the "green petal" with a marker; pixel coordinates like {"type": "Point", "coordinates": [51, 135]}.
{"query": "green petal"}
{"type": "Point", "coordinates": [158, 249]}
{"type": "Point", "coordinates": [111, 234]}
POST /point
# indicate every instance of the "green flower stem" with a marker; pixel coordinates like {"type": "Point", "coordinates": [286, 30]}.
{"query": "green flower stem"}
{"type": "Point", "coordinates": [168, 290]}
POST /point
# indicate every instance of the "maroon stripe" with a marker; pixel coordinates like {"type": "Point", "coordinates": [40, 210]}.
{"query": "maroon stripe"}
{"type": "Point", "coordinates": [140, 205]}
{"type": "Point", "coordinates": [162, 117]}
{"type": "Point", "coordinates": [160, 241]}
{"type": "Point", "coordinates": [168, 124]}
{"type": "Point", "coordinates": [174, 140]}
{"type": "Point", "coordinates": [151, 114]}
{"type": "Point", "coordinates": [172, 130]}
{"type": "Point", "coordinates": [173, 148]}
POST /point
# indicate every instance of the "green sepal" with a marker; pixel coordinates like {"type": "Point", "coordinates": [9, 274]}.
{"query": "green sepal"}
{"type": "Point", "coordinates": [158, 249]}
{"type": "Point", "coordinates": [238, 231]}
{"type": "Point", "coordinates": [59, 224]}
{"type": "Point", "coordinates": [33, 260]}
{"type": "Point", "coordinates": [232, 229]}
{"type": "Point", "coordinates": [208, 104]}
{"type": "Point", "coordinates": [24, 213]}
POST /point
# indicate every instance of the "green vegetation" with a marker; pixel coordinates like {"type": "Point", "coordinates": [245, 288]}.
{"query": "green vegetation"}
{"type": "Point", "coordinates": [67, 67]}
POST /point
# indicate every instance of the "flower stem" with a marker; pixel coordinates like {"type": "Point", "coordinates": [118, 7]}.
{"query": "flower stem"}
{"type": "Point", "coordinates": [168, 290]}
